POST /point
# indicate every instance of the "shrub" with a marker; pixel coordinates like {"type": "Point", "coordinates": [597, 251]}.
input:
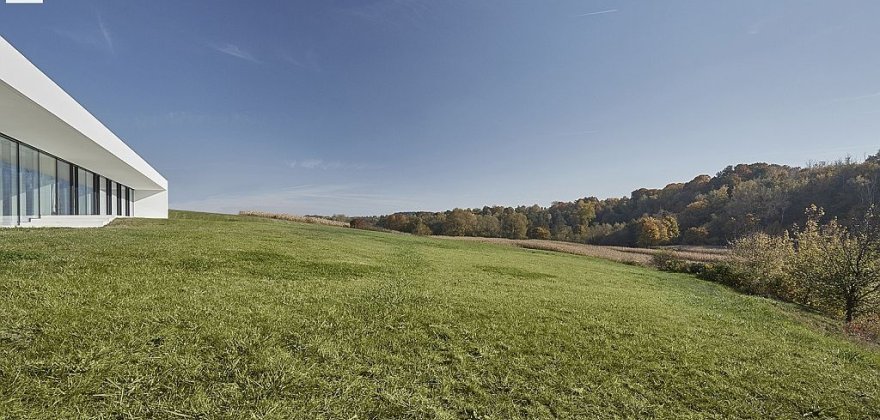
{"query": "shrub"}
{"type": "Point", "coordinates": [665, 261]}
{"type": "Point", "coordinates": [539, 233]}
{"type": "Point", "coordinates": [829, 267]}
{"type": "Point", "coordinates": [360, 224]}
{"type": "Point", "coordinates": [760, 262]}
{"type": "Point", "coordinates": [720, 272]}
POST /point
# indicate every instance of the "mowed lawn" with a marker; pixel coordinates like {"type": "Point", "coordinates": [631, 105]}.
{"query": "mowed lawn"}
{"type": "Point", "coordinates": [206, 316]}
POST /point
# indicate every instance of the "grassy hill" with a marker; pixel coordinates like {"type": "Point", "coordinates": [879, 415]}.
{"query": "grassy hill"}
{"type": "Point", "coordinates": [206, 316]}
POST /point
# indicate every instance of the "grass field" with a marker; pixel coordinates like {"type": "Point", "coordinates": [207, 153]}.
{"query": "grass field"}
{"type": "Point", "coordinates": [205, 316]}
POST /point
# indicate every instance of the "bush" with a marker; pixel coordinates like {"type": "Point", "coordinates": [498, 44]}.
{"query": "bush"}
{"type": "Point", "coordinates": [539, 233]}
{"type": "Point", "coordinates": [831, 267]}
{"type": "Point", "coordinates": [665, 261]}
{"type": "Point", "coordinates": [761, 263]}
{"type": "Point", "coordinates": [360, 224]}
{"type": "Point", "coordinates": [719, 273]}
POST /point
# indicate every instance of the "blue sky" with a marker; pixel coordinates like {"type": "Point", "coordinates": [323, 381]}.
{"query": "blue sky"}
{"type": "Point", "coordinates": [374, 106]}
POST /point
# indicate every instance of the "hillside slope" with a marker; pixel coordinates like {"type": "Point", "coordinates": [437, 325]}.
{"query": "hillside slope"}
{"type": "Point", "coordinates": [206, 316]}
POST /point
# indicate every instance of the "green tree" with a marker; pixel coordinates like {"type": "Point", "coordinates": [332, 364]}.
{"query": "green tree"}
{"type": "Point", "coordinates": [585, 214]}
{"type": "Point", "coordinates": [696, 236]}
{"type": "Point", "coordinates": [460, 223]}
{"type": "Point", "coordinates": [514, 225]}
{"type": "Point", "coordinates": [418, 227]}
{"type": "Point", "coordinates": [488, 226]}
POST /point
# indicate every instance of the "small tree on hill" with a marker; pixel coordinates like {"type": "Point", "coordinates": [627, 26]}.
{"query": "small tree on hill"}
{"type": "Point", "coordinates": [830, 267]}
{"type": "Point", "coordinates": [847, 274]}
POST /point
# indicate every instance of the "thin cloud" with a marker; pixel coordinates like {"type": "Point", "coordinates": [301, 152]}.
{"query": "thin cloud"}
{"type": "Point", "coordinates": [308, 61]}
{"type": "Point", "coordinates": [100, 39]}
{"type": "Point", "coordinates": [328, 165]}
{"type": "Point", "coordinates": [107, 38]}
{"type": "Point", "coordinates": [233, 50]}
{"type": "Point", "coordinates": [601, 12]}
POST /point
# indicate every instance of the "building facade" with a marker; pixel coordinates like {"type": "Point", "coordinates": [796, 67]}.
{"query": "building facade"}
{"type": "Point", "coordinates": [59, 165]}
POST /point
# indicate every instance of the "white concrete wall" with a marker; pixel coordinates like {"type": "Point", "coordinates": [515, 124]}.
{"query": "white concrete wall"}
{"type": "Point", "coordinates": [151, 204]}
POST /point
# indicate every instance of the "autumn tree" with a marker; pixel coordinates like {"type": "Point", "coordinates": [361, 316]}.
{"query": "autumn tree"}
{"type": "Point", "coordinates": [584, 215]}
{"type": "Point", "coordinates": [539, 232]}
{"type": "Point", "coordinates": [653, 231]}
{"type": "Point", "coordinates": [397, 221]}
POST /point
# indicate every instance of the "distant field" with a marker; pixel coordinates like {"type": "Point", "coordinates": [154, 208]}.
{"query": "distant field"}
{"type": "Point", "coordinates": [614, 253]}
{"type": "Point", "coordinates": [294, 218]}
{"type": "Point", "coordinates": [210, 316]}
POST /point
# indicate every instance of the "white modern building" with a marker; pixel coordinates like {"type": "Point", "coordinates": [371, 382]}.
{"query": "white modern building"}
{"type": "Point", "coordinates": [59, 166]}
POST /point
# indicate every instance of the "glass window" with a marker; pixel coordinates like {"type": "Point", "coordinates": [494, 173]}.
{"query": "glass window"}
{"type": "Point", "coordinates": [65, 190]}
{"type": "Point", "coordinates": [127, 201]}
{"type": "Point", "coordinates": [48, 204]}
{"type": "Point", "coordinates": [85, 186]}
{"type": "Point", "coordinates": [101, 191]}
{"type": "Point", "coordinates": [8, 182]}
{"type": "Point", "coordinates": [29, 182]}
{"type": "Point", "coordinates": [81, 202]}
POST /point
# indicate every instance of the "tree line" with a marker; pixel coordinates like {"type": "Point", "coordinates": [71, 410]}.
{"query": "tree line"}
{"type": "Point", "coordinates": [707, 210]}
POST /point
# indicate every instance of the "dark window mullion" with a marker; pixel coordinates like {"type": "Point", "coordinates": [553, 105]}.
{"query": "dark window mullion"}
{"type": "Point", "coordinates": [18, 181]}
{"type": "Point", "coordinates": [39, 211]}
{"type": "Point", "coordinates": [96, 197]}
{"type": "Point", "coordinates": [109, 197]}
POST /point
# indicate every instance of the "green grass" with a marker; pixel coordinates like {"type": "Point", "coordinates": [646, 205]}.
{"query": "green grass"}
{"type": "Point", "coordinates": [205, 316]}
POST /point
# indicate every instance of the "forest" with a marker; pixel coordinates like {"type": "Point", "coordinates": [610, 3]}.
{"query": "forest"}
{"type": "Point", "coordinates": [707, 210]}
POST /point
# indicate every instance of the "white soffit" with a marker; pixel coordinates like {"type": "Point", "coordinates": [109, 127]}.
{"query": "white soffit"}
{"type": "Point", "coordinates": [36, 111]}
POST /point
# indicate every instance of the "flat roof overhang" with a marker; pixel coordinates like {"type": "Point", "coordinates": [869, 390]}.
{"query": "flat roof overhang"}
{"type": "Point", "coordinates": [36, 111]}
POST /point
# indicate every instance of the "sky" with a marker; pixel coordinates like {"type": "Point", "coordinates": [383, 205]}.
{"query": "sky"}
{"type": "Point", "coordinates": [368, 107]}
